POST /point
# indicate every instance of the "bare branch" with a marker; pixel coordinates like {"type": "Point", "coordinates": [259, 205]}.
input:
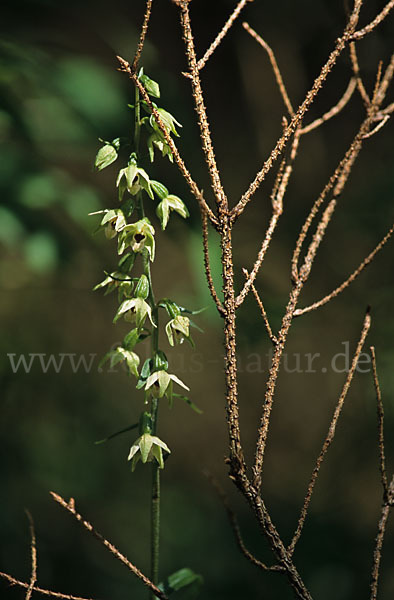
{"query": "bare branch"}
{"type": "Point", "coordinates": [357, 35]}
{"type": "Point", "coordinates": [143, 33]}
{"type": "Point", "coordinates": [13, 581]}
{"type": "Point", "coordinates": [261, 255]}
{"type": "Point", "coordinates": [301, 311]}
{"type": "Point", "coordinates": [112, 549]}
{"type": "Point", "coordinates": [356, 70]}
{"type": "Point", "coordinates": [271, 386]}
{"type": "Point", "coordinates": [379, 126]}
{"type": "Point", "coordinates": [380, 408]}
{"type": "Point", "coordinates": [208, 274]}
{"type": "Point", "coordinates": [235, 527]}
{"type": "Point", "coordinates": [33, 550]}
{"type": "Point", "coordinates": [338, 178]}
{"type": "Point", "coordinates": [299, 115]}
{"type": "Point", "coordinates": [262, 310]}
{"type": "Point", "coordinates": [275, 67]}
{"type": "Point", "coordinates": [331, 433]}
{"type": "Point", "coordinates": [377, 555]}
{"type": "Point", "coordinates": [205, 133]}
{"type": "Point", "coordinates": [230, 21]}
{"type": "Point", "coordinates": [385, 82]}
{"type": "Point", "coordinates": [278, 548]}
{"type": "Point", "coordinates": [388, 110]}
{"type": "Point", "coordinates": [334, 110]}
{"type": "Point", "coordinates": [181, 165]}
{"type": "Point", "coordinates": [277, 205]}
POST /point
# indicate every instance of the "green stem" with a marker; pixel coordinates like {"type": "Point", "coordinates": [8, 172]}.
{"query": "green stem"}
{"type": "Point", "coordinates": [137, 121]}
{"type": "Point", "coordinates": [155, 510]}
{"type": "Point", "coordinates": [155, 490]}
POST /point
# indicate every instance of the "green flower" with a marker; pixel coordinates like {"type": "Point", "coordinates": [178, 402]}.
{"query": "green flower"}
{"type": "Point", "coordinates": [157, 139]}
{"type": "Point", "coordinates": [135, 311]}
{"type": "Point", "coordinates": [160, 384]}
{"type": "Point", "coordinates": [135, 179]}
{"type": "Point", "coordinates": [138, 236]}
{"type": "Point", "coordinates": [148, 448]}
{"type": "Point", "coordinates": [177, 330]}
{"type": "Point", "coordinates": [113, 221]}
{"type": "Point", "coordinates": [116, 281]}
{"type": "Point", "coordinates": [168, 204]}
{"type": "Point", "coordinates": [168, 119]}
{"type": "Point", "coordinates": [121, 354]}
{"type": "Point", "coordinates": [107, 154]}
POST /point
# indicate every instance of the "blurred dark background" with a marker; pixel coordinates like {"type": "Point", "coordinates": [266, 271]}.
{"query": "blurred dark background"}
{"type": "Point", "coordinates": [59, 92]}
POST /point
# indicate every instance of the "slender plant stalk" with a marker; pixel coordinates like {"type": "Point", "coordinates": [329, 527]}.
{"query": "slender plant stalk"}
{"type": "Point", "coordinates": [155, 486]}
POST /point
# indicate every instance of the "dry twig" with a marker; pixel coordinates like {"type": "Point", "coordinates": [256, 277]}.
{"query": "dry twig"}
{"type": "Point", "coordinates": [277, 210]}
{"type": "Point", "coordinates": [356, 70]}
{"type": "Point", "coordinates": [205, 133]}
{"type": "Point", "coordinates": [377, 555]}
{"type": "Point", "coordinates": [143, 33]}
{"type": "Point", "coordinates": [275, 67]}
{"type": "Point", "coordinates": [339, 177]}
{"type": "Point", "coordinates": [358, 35]}
{"type": "Point", "coordinates": [219, 38]}
{"type": "Point", "coordinates": [112, 549]}
{"type": "Point", "coordinates": [177, 157]}
{"type": "Point", "coordinates": [300, 113]}
{"type": "Point", "coordinates": [33, 550]}
{"type": "Point", "coordinates": [207, 264]}
{"type": "Point", "coordinates": [380, 409]}
{"type": "Point", "coordinates": [260, 304]}
{"type": "Point", "coordinates": [13, 581]}
{"type": "Point", "coordinates": [334, 110]}
{"type": "Point", "coordinates": [331, 433]}
{"type": "Point", "coordinates": [235, 527]}
{"type": "Point", "coordinates": [301, 311]}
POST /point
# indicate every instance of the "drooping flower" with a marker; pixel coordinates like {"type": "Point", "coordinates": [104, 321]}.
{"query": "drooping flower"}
{"type": "Point", "coordinates": [122, 354]}
{"type": "Point", "coordinates": [177, 330]}
{"type": "Point", "coordinates": [168, 204]}
{"type": "Point", "coordinates": [116, 281]}
{"type": "Point", "coordinates": [135, 179]}
{"type": "Point", "coordinates": [160, 384]}
{"type": "Point", "coordinates": [135, 311]}
{"type": "Point", "coordinates": [148, 448]}
{"type": "Point", "coordinates": [138, 236]}
{"type": "Point", "coordinates": [113, 221]}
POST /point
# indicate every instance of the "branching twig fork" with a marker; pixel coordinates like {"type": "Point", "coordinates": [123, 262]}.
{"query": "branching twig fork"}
{"type": "Point", "coordinates": [334, 110]}
{"type": "Point", "coordinates": [356, 70]}
{"type": "Point", "coordinates": [277, 206]}
{"type": "Point", "coordinates": [358, 35]}
{"type": "Point", "coordinates": [342, 172]}
{"type": "Point", "coordinates": [303, 275]}
{"type": "Point", "coordinates": [299, 115]}
{"type": "Point", "coordinates": [235, 526]}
